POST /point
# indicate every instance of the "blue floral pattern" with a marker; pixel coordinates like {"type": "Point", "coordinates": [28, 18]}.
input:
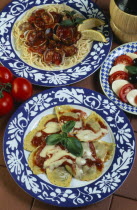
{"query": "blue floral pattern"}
{"type": "Point", "coordinates": [69, 197]}
{"type": "Point", "coordinates": [90, 64]}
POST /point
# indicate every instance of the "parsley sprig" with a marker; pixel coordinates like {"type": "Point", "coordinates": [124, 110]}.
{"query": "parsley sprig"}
{"type": "Point", "coordinates": [71, 21]}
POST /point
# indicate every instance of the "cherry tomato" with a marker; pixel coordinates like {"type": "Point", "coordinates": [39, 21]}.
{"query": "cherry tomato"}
{"type": "Point", "coordinates": [21, 89]}
{"type": "Point", "coordinates": [6, 103]}
{"type": "Point", "coordinates": [5, 75]}
{"type": "Point", "coordinates": [123, 59]}
{"type": "Point", "coordinates": [124, 91]}
{"type": "Point", "coordinates": [118, 75]}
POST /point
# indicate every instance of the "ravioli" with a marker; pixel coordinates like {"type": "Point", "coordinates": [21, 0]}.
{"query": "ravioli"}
{"type": "Point", "coordinates": [56, 173]}
{"type": "Point", "coordinates": [94, 128]}
{"type": "Point", "coordinates": [104, 150]}
{"type": "Point", "coordinates": [31, 161]}
{"type": "Point", "coordinates": [68, 113]}
{"type": "Point", "coordinates": [47, 124]}
{"type": "Point", "coordinates": [94, 160]}
{"type": "Point", "coordinates": [58, 163]}
{"type": "Point", "coordinates": [88, 173]}
{"type": "Point", "coordinates": [59, 176]}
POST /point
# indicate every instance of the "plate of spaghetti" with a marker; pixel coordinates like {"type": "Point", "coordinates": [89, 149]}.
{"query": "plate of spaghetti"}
{"type": "Point", "coordinates": [69, 146]}
{"type": "Point", "coordinates": [40, 41]}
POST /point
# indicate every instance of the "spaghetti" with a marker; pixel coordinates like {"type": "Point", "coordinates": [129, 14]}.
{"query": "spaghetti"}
{"type": "Point", "coordinates": [68, 55]}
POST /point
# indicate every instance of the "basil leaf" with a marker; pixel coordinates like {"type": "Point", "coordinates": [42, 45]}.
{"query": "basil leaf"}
{"type": "Point", "coordinates": [74, 146]}
{"type": "Point", "coordinates": [132, 69]}
{"type": "Point", "coordinates": [67, 127]}
{"type": "Point", "coordinates": [67, 22]}
{"type": "Point", "coordinates": [53, 139]}
{"type": "Point", "coordinates": [79, 20]}
{"type": "Point", "coordinates": [64, 135]}
{"type": "Point", "coordinates": [64, 139]}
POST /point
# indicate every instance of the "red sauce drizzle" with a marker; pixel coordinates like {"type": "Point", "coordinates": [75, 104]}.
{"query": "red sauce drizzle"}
{"type": "Point", "coordinates": [102, 125]}
{"type": "Point", "coordinates": [38, 160]}
{"type": "Point", "coordinates": [37, 141]}
{"type": "Point", "coordinates": [98, 162]}
{"type": "Point", "coordinates": [88, 127]}
{"type": "Point", "coordinates": [68, 118]}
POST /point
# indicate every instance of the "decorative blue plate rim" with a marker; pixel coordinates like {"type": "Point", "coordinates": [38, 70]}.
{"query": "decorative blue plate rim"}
{"type": "Point", "coordinates": [69, 197]}
{"type": "Point", "coordinates": [88, 66]}
{"type": "Point", "coordinates": [104, 73]}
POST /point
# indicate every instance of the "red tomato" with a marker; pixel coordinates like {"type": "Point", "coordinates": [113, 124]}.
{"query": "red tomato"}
{"type": "Point", "coordinates": [118, 75]}
{"type": "Point", "coordinates": [21, 89]}
{"type": "Point", "coordinates": [124, 91]}
{"type": "Point", "coordinates": [6, 103]}
{"type": "Point", "coordinates": [123, 59]}
{"type": "Point", "coordinates": [136, 99]}
{"type": "Point", "coordinates": [5, 75]}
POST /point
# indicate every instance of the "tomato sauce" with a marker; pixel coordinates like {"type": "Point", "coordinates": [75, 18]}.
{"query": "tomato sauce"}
{"type": "Point", "coordinates": [88, 127]}
{"type": "Point", "coordinates": [37, 141]}
{"type": "Point", "coordinates": [102, 125]}
{"type": "Point", "coordinates": [98, 162]}
{"type": "Point", "coordinates": [38, 160]}
{"type": "Point", "coordinates": [68, 118]}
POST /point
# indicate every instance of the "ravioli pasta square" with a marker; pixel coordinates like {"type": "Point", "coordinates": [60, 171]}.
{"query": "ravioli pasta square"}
{"type": "Point", "coordinates": [68, 144]}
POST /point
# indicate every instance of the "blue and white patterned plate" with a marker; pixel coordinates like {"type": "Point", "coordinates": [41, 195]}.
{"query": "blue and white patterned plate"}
{"type": "Point", "coordinates": [10, 59]}
{"type": "Point", "coordinates": [104, 74]}
{"type": "Point", "coordinates": [80, 193]}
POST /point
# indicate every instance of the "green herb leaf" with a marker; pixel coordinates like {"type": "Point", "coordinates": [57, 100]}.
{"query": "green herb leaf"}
{"type": "Point", "coordinates": [70, 13]}
{"type": "Point", "coordinates": [64, 139]}
{"type": "Point", "coordinates": [132, 69]}
{"type": "Point", "coordinates": [53, 139]}
{"type": "Point", "coordinates": [67, 22]}
{"type": "Point", "coordinates": [78, 20]}
{"type": "Point", "coordinates": [74, 146]}
{"type": "Point", "coordinates": [68, 126]}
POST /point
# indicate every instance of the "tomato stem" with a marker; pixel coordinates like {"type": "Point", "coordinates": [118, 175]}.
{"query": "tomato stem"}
{"type": "Point", "coordinates": [4, 87]}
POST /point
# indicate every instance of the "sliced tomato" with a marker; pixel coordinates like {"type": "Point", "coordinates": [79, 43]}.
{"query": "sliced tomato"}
{"type": "Point", "coordinates": [136, 99]}
{"type": "Point", "coordinates": [124, 91]}
{"type": "Point", "coordinates": [118, 75]}
{"type": "Point", "coordinates": [123, 59]}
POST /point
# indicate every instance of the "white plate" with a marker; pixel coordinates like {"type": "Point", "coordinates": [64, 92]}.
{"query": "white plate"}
{"type": "Point", "coordinates": [11, 59]}
{"type": "Point", "coordinates": [79, 193]}
{"type": "Point", "coordinates": [104, 74]}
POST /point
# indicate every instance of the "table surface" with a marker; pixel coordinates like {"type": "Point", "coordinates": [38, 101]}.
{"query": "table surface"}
{"type": "Point", "coordinates": [12, 197]}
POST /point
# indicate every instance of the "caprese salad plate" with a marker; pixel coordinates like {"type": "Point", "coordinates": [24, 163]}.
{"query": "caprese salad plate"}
{"type": "Point", "coordinates": [118, 77]}
{"type": "Point", "coordinates": [104, 115]}
{"type": "Point", "coordinates": [31, 67]}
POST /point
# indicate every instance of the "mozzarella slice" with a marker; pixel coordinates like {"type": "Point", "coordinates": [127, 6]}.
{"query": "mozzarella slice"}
{"type": "Point", "coordinates": [118, 84]}
{"type": "Point", "coordinates": [131, 97]}
{"type": "Point", "coordinates": [52, 127]}
{"type": "Point", "coordinates": [132, 55]}
{"type": "Point", "coordinates": [118, 67]}
{"type": "Point", "coordinates": [89, 135]}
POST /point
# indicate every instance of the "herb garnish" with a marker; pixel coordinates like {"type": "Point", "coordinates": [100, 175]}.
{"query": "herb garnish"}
{"type": "Point", "coordinates": [72, 144]}
{"type": "Point", "coordinates": [131, 69]}
{"type": "Point", "coordinates": [69, 13]}
{"type": "Point", "coordinates": [71, 21]}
